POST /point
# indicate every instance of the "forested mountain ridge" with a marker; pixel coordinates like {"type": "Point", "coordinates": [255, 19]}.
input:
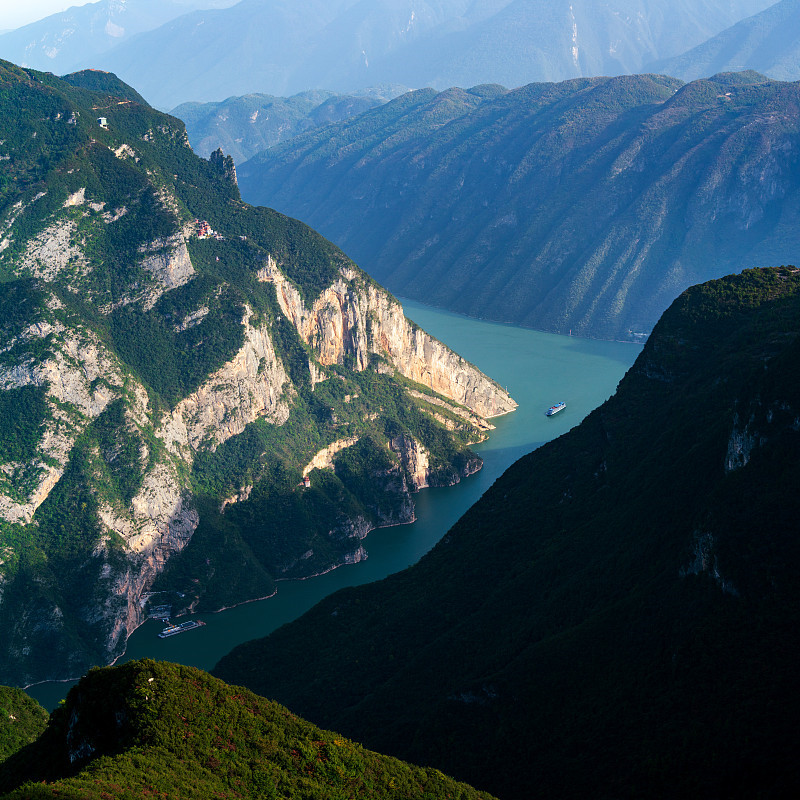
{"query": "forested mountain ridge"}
{"type": "Point", "coordinates": [618, 615]}
{"type": "Point", "coordinates": [586, 205]}
{"type": "Point", "coordinates": [172, 363]}
{"type": "Point", "coordinates": [149, 728]}
{"type": "Point", "coordinates": [244, 126]}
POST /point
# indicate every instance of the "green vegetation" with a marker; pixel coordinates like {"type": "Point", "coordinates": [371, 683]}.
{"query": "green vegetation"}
{"type": "Point", "coordinates": [282, 530]}
{"type": "Point", "coordinates": [175, 363]}
{"type": "Point", "coordinates": [583, 206]}
{"type": "Point", "coordinates": [149, 728]}
{"type": "Point", "coordinates": [104, 82]}
{"type": "Point", "coordinates": [22, 721]}
{"type": "Point", "coordinates": [618, 615]}
{"type": "Point", "coordinates": [23, 412]}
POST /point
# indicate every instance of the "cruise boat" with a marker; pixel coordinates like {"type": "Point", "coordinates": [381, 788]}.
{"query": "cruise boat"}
{"type": "Point", "coordinates": [173, 630]}
{"type": "Point", "coordinates": [555, 409]}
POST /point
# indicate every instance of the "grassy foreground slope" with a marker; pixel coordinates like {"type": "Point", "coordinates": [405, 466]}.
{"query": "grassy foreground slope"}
{"type": "Point", "coordinates": [618, 616]}
{"type": "Point", "coordinates": [163, 730]}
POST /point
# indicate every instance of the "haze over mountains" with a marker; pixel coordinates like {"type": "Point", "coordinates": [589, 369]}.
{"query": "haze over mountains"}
{"type": "Point", "coordinates": [76, 38]}
{"type": "Point", "coordinates": [244, 126]}
{"type": "Point", "coordinates": [768, 42]}
{"type": "Point", "coordinates": [341, 45]}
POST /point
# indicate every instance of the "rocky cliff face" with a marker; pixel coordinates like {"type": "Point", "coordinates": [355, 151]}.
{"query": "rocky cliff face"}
{"type": "Point", "coordinates": [249, 387]}
{"type": "Point", "coordinates": [150, 384]}
{"type": "Point", "coordinates": [352, 320]}
{"type": "Point", "coordinates": [356, 318]}
{"type": "Point", "coordinates": [81, 377]}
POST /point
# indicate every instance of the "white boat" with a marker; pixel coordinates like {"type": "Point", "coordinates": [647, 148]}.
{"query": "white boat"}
{"type": "Point", "coordinates": [555, 409]}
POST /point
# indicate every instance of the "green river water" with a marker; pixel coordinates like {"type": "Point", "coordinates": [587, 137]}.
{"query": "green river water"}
{"type": "Point", "coordinates": [539, 369]}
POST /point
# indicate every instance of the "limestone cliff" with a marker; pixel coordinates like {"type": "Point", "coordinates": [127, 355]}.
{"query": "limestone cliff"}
{"type": "Point", "coordinates": [247, 388]}
{"type": "Point", "coordinates": [354, 317]}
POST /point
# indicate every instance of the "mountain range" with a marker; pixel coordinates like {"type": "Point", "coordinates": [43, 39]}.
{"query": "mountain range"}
{"type": "Point", "coordinates": [244, 126]}
{"type": "Point", "coordinates": [617, 616]}
{"type": "Point", "coordinates": [280, 48]}
{"type": "Point", "coordinates": [768, 42]}
{"type": "Point", "coordinates": [200, 398]}
{"type": "Point", "coordinates": [173, 363]}
{"type": "Point", "coordinates": [586, 205]}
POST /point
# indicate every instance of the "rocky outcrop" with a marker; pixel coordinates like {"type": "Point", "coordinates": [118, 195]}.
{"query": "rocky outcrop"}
{"type": "Point", "coordinates": [459, 411]}
{"type": "Point", "coordinates": [158, 524]}
{"type": "Point", "coordinates": [82, 378]}
{"type": "Point", "coordinates": [415, 460]}
{"type": "Point", "coordinates": [356, 318]}
{"type": "Point", "coordinates": [248, 387]}
{"type": "Point", "coordinates": [740, 444]}
{"type": "Point", "coordinates": [324, 458]}
{"type": "Point", "coordinates": [168, 261]}
{"type": "Point", "coordinates": [53, 252]}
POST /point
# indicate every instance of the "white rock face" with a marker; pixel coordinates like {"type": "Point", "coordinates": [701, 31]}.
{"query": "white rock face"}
{"type": "Point", "coordinates": [248, 387]}
{"type": "Point", "coordinates": [169, 263]}
{"type": "Point", "coordinates": [324, 458]}
{"type": "Point", "coordinates": [53, 251]}
{"type": "Point", "coordinates": [76, 199]}
{"type": "Point", "coordinates": [78, 360]}
{"type": "Point", "coordinates": [415, 458]}
{"type": "Point", "coordinates": [357, 318]}
{"type": "Point", "coordinates": [472, 419]}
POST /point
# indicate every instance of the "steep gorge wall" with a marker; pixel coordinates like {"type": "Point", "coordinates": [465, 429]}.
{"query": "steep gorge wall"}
{"type": "Point", "coordinates": [355, 317]}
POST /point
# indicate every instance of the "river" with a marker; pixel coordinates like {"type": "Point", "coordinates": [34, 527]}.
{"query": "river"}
{"type": "Point", "coordinates": [538, 369]}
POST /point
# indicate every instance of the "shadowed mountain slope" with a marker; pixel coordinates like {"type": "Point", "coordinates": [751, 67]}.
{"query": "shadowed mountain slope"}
{"type": "Point", "coordinates": [618, 615]}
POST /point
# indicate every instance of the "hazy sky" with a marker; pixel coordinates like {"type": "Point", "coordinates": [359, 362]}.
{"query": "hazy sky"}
{"type": "Point", "coordinates": [14, 13]}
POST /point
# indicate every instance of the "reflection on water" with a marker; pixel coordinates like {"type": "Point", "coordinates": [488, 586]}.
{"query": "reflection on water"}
{"type": "Point", "coordinates": [538, 369]}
